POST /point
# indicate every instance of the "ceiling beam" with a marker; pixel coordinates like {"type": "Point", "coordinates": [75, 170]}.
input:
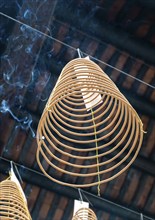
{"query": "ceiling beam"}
{"type": "Point", "coordinates": [105, 32]}
{"type": "Point", "coordinates": [36, 178]}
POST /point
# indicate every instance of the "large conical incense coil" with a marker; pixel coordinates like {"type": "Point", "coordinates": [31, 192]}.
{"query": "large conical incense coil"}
{"type": "Point", "coordinates": [84, 214]}
{"type": "Point", "coordinates": [12, 203]}
{"type": "Point", "coordinates": [88, 130]}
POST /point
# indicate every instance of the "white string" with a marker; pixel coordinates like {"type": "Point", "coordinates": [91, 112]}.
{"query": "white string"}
{"type": "Point", "coordinates": [18, 174]}
{"type": "Point", "coordinates": [81, 199]}
{"type": "Point", "coordinates": [121, 71]}
{"type": "Point", "coordinates": [73, 48]}
{"type": "Point", "coordinates": [87, 199]}
{"type": "Point", "coordinates": [11, 163]}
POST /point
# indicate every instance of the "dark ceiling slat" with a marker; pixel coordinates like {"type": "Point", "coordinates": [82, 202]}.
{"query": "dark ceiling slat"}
{"type": "Point", "coordinates": [112, 61]}
{"type": "Point", "coordinates": [140, 104]}
{"type": "Point", "coordinates": [47, 202]}
{"type": "Point", "coordinates": [53, 208]}
{"type": "Point", "coordinates": [116, 76]}
{"type": "Point", "coordinates": [31, 192]}
{"type": "Point", "coordinates": [145, 165]}
{"type": "Point", "coordinates": [60, 207]}
{"type": "Point", "coordinates": [131, 187]}
{"type": "Point", "coordinates": [143, 191]}
{"type": "Point", "coordinates": [104, 216]}
{"type": "Point", "coordinates": [150, 205]}
{"type": "Point", "coordinates": [67, 210]}
{"type": "Point", "coordinates": [115, 9]}
{"type": "Point", "coordinates": [38, 204]}
{"type": "Point", "coordinates": [114, 187]}
{"type": "Point", "coordinates": [40, 180]}
{"type": "Point", "coordinates": [5, 133]}
{"type": "Point", "coordinates": [135, 67]}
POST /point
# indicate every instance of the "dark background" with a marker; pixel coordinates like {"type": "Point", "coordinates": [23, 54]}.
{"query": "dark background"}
{"type": "Point", "coordinates": [118, 32]}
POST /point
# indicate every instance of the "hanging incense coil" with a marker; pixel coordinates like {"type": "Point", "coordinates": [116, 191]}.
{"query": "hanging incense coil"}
{"type": "Point", "coordinates": [12, 204]}
{"type": "Point", "coordinates": [88, 133]}
{"type": "Point", "coordinates": [84, 214]}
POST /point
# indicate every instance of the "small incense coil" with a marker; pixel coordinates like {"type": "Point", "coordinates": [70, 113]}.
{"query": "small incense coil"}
{"type": "Point", "coordinates": [12, 204]}
{"type": "Point", "coordinates": [88, 130]}
{"type": "Point", "coordinates": [84, 214]}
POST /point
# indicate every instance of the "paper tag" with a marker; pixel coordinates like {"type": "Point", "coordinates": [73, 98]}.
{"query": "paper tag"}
{"type": "Point", "coordinates": [14, 179]}
{"type": "Point", "coordinates": [90, 98]}
{"type": "Point", "coordinates": [79, 204]}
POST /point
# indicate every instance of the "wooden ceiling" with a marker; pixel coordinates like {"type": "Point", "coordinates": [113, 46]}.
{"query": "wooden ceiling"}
{"type": "Point", "coordinates": [118, 32]}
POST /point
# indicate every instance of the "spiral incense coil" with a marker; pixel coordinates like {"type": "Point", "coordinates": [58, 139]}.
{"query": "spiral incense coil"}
{"type": "Point", "coordinates": [88, 133]}
{"type": "Point", "coordinates": [12, 204]}
{"type": "Point", "coordinates": [84, 214]}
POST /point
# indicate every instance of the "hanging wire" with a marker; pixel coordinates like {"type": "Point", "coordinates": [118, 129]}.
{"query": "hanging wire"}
{"type": "Point", "coordinates": [121, 71]}
{"type": "Point", "coordinates": [73, 48]}
{"type": "Point", "coordinates": [12, 163]}
{"type": "Point", "coordinates": [40, 32]}
{"type": "Point", "coordinates": [86, 198]}
{"type": "Point", "coordinates": [81, 199]}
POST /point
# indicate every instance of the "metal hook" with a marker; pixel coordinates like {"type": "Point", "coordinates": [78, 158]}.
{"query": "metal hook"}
{"type": "Point", "coordinates": [141, 216]}
{"type": "Point", "coordinates": [11, 163]}
{"type": "Point", "coordinates": [79, 52]}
